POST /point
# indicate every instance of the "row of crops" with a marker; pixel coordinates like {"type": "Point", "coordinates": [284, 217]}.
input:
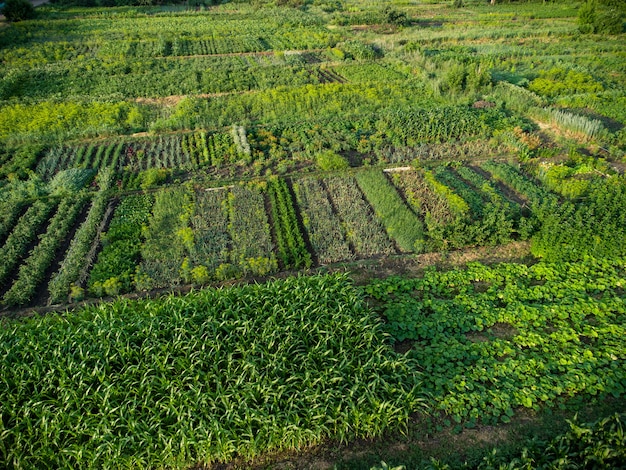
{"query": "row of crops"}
{"type": "Point", "coordinates": [195, 235]}
{"type": "Point", "coordinates": [243, 371]}
{"type": "Point", "coordinates": [190, 151]}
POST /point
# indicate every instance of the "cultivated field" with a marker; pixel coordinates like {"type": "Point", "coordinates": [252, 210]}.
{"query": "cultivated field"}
{"type": "Point", "coordinates": [235, 163]}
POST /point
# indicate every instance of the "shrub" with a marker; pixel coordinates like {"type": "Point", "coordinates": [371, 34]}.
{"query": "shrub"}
{"type": "Point", "coordinates": [153, 177]}
{"type": "Point", "coordinates": [18, 10]}
{"type": "Point", "coordinates": [329, 160]}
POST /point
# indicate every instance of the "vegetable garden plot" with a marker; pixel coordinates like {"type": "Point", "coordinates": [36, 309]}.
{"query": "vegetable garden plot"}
{"type": "Point", "coordinates": [519, 182]}
{"type": "Point", "coordinates": [211, 239]}
{"type": "Point", "coordinates": [115, 268]}
{"type": "Point", "coordinates": [252, 249]}
{"type": "Point", "coordinates": [321, 223]}
{"type": "Point", "coordinates": [167, 239]}
{"type": "Point", "coordinates": [402, 225]}
{"type": "Point", "coordinates": [291, 246]}
{"type": "Point", "coordinates": [473, 199]}
{"type": "Point", "coordinates": [33, 270]}
{"type": "Point", "coordinates": [494, 339]}
{"type": "Point", "coordinates": [424, 200]}
{"type": "Point", "coordinates": [220, 373]}
{"type": "Point", "coordinates": [363, 230]}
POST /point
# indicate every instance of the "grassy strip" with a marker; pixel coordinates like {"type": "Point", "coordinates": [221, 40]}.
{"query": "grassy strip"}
{"type": "Point", "coordinates": [401, 223]}
{"type": "Point", "coordinates": [200, 378]}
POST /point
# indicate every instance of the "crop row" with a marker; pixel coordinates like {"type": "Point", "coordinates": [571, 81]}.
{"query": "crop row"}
{"type": "Point", "coordinates": [291, 246]}
{"type": "Point", "coordinates": [32, 272]}
{"type": "Point", "coordinates": [493, 339]}
{"type": "Point", "coordinates": [533, 192]}
{"type": "Point", "coordinates": [109, 155]}
{"type": "Point", "coordinates": [487, 187]}
{"type": "Point", "coordinates": [67, 276]}
{"type": "Point", "coordinates": [365, 233]}
{"type": "Point", "coordinates": [402, 225]}
{"type": "Point", "coordinates": [22, 236]}
{"type": "Point", "coordinates": [184, 151]}
{"type": "Point", "coordinates": [321, 223]}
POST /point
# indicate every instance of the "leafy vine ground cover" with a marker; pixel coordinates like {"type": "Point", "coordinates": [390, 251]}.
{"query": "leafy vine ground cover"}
{"type": "Point", "coordinates": [490, 340]}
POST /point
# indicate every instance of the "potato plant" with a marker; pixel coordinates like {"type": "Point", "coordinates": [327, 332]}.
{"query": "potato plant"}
{"type": "Point", "coordinates": [23, 234]}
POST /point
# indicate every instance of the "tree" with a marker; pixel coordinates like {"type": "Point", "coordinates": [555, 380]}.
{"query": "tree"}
{"type": "Point", "coordinates": [18, 10]}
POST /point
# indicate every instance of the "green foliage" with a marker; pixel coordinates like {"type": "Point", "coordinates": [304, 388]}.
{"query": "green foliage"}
{"type": "Point", "coordinates": [593, 227]}
{"type": "Point", "coordinates": [402, 225]}
{"type": "Point", "coordinates": [152, 177]}
{"type": "Point", "coordinates": [395, 17]}
{"type": "Point", "coordinates": [559, 81]}
{"type": "Point", "coordinates": [291, 247]}
{"type": "Point", "coordinates": [121, 244]}
{"type": "Point", "coordinates": [587, 17]}
{"type": "Point", "coordinates": [22, 159]}
{"type": "Point", "coordinates": [605, 17]}
{"type": "Point", "coordinates": [585, 445]}
{"type": "Point", "coordinates": [232, 372]}
{"type": "Point", "coordinates": [50, 120]}
{"type": "Point", "coordinates": [493, 339]}
{"type": "Point", "coordinates": [18, 10]}
{"type": "Point", "coordinates": [33, 270]}
{"type": "Point", "coordinates": [70, 181]}
{"type": "Point", "coordinates": [329, 161]}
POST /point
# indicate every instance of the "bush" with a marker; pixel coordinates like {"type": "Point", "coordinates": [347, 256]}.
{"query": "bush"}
{"type": "Point", "coordinates": [330, 160]}
{"type": "Point", "coordinates": [605, 17]}
{"type": "Point", "coordinates": [18, 10]}
{"type": "Point", "coordinates": [153, 177]}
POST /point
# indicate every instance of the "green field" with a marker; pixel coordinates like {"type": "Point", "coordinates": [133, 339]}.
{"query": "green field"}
{"type": "Point", "coordinates": [312, 195]}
